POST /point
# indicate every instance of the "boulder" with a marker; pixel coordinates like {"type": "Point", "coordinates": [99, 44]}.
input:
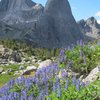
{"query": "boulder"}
{"type": "Point", "coordinates": [93, 76]}
{"type": "Point", "coordinates": [45, 63]}
{"type": "Point", "coordinates": [16, 57]}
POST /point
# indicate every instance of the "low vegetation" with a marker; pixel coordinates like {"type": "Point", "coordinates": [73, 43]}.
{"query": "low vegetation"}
{"type": "Point", "coordinates": [48, 85]}
{"type": "Point", "coordinates": [81, 58]}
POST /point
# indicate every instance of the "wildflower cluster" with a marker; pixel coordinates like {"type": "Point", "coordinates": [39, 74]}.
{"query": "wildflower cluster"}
{"type": "Point", "coordinates": [48, 85]}
{"type": "Point", "coordinates": [41, 86]}
{"type": "Point", "coordinates": [80, 58]}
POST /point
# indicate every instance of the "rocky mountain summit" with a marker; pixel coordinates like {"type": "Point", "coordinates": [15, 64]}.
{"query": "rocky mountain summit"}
{"type": "Point", "coordinates": [52, 26]}
{"type": "Point", "coordinates": [90, 27]}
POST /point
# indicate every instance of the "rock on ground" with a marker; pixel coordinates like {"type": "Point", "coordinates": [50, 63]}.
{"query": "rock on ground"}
{"type": "Point", "coordinates": [93, 76]}
{"type": "Point", "coordinates": [45, 63]}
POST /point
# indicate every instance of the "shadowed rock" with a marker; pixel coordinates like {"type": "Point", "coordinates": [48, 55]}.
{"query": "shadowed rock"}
{"type": "Point", "coordinates": [52, 26]}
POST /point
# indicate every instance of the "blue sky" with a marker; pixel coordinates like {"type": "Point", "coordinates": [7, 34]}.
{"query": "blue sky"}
{"type": "Point", "coordinates": [82, 9]}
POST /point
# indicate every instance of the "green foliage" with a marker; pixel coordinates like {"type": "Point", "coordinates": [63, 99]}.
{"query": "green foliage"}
{"type": "Point", "coordinates": [5, 78]}
{"type": "Point", "coordinates": [89, 92]}
{"type": "Point", "coordinates": [83, 59]}
{"type": "Point", "coordinates": [41, 53]}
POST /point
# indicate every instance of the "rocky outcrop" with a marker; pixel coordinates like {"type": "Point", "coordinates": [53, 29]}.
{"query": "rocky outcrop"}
{"type": "Point", "coordinates": [52, 26]}
{"type": "Point", "coordinates": [93, 76]}
{"type": "Point", "coordinates": [7, 55]}
{"type": "Point", "coordinates": [90, 27]}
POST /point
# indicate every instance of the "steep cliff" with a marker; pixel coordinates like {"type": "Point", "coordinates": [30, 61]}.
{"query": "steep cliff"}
{"type": "Point", "coordinates": [51, 26]}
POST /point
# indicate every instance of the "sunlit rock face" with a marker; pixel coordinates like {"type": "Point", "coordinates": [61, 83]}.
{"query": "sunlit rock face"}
{"type": "Point", "coordinates": [52, 26]}
{"type": "Point", "coordinates": [90, 27]}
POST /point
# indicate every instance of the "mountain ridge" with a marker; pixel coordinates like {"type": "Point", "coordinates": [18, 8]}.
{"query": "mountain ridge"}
{"type": "Point", "coordinates": [43, 26]}
{"type": "Point", "coordinates": [90, 27]}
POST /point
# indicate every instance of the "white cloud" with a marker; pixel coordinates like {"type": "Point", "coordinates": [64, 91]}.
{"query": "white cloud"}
{"type": "Point", "coordinates": [98, 21]}
{"type": "Point", "coordinates": [97, 14]}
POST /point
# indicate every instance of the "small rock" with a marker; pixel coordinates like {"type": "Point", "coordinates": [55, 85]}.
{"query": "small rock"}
{"type": "Point", "coordinates": [21, 67]}
{"type": "Point", "coordinates": [31, 68]}
{"type": "Point", "coordinates": [4, 73]}
{"type": "Point", "coordinates": [45, 63]}
{"type": "Point", "coordinates": [12, 62]}
{"type": "Point", "coordinates": [17, 73]}
{"type": "Point", "coordinates": [9, 70]}
{"type": "Point", "coordinates": [28, 70]}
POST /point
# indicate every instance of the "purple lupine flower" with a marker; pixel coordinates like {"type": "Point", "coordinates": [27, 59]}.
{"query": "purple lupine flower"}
{"type": "Point", "coordinates": [77, 85]}
{"type": "Point", "coordinates": [30, 98]}
{"type": "Point", "coordinates": [54, 87]}
{"type": "Point", "coordinates": [84, 59]}
{"type": "Point", "coordinates": [62, 59]}
{"type": "Point", "coordinates": [46, 87]}
{"type": "Point", "coordinates": [11, 83]}
{"type": "Point", "coordinates": [20, 80]}
{"type": "Point", "coordinates": [66, 85]}
{"type": "Point", "coordinates": [64, 74]}
{"type": "Point", "coordinates": [62, 52]}
{"type": "Point", "coordinates": [16, 95]}
{"type": "Point", "coordinates": [81, 55]}
{"type": "Point", "coordinates": [24, 95]}
{"type": "Point", "coordinates": [28, 83]}
{"type": "Point", "coordinates": [82, 84]}
{"type": "Point", "coordinates": [74, 80]}
{"type": "Point", "coordinates": [81, 43]}
{"type": "Point", "coordinates": [5, 90]}
{"type": "Point", "coordinates": [40, 97]}
{"type": "Point", "coordinates": [58, 90]}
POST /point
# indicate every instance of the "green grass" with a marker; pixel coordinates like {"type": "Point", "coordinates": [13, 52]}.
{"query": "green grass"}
{"type": "Point", "coordinates": [5, 78]}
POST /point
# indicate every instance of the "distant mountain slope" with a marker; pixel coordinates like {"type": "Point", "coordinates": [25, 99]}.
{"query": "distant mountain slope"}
{"type": "Point", "coordinates": [90, 27]}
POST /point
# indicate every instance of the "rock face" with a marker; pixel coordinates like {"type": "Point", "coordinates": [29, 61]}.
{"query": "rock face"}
{"type": "Point", "coordinates": [94, 75]}
{"type": "Point", "coordinates": [90, 27]}
{"type": "Point", "coordinates": [51, 26]}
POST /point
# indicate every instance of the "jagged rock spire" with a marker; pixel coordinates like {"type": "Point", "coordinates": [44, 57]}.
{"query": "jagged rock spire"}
{"type": "Point", "coordinates": [51, 26]}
